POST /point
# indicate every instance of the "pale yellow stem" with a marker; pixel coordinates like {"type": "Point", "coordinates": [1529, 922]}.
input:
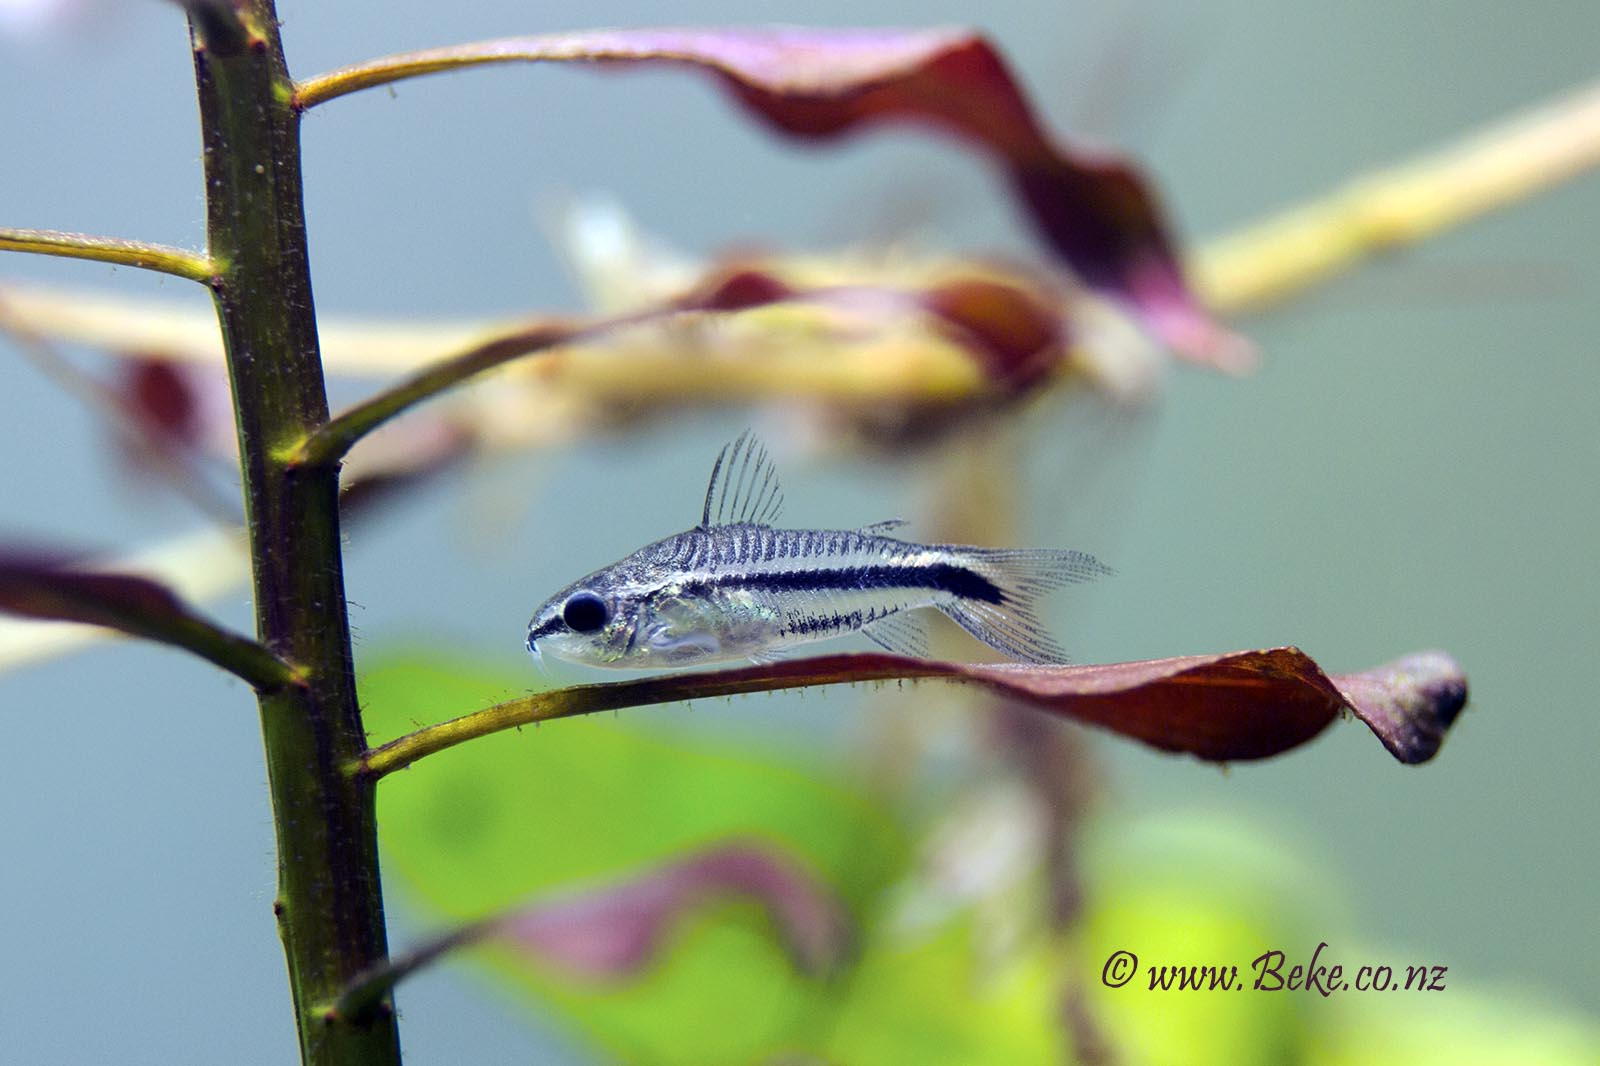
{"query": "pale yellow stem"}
{"type": "Point", "coordinates": [1281, 257]}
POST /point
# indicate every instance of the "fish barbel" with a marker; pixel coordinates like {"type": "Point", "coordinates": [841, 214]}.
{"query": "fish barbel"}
{"type": "Point", "coordinates": [736, 587]}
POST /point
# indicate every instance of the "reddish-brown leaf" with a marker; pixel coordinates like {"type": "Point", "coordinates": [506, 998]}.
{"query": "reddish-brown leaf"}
{"type": "Point", "coordinates": [1232, 706]}
{"type": "Point", "coordinates": [161, 397]}
{"type": "Point", "coordinates": [1238, 705]}
{"type": "Point", "coordinates": [1015, 335]}
{"type": "Point", "coordinates": [176, 403]}
{"type": "Point", "coordinates": [1012, 330]}
{"type": "Point", "coordinates": [738, 288]}
{"type": "Point", "coordinates": [1248, 704]}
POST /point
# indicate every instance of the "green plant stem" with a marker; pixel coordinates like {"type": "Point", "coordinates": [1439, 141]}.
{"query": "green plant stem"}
{"type": "Point", "coordinates": [669, 688]}
{"type": "Point", "coordinates": [238, 655]}
{"type": "Point", "coordinates": [329, 904]}
{"type": "Point", "coordinates": [159, 257]}
{"type": "Point", "coordinates": [333, 441]}
{"type": "Point", "coordinates": [369, 991]}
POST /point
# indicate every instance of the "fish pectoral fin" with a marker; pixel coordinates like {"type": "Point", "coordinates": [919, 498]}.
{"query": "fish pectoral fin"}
{"type": "Point", "coordinates": [664, 639]}
{"type": "Point", "coordinates": [769, 655]}
{"type": "Point", "coordinates": [899, 634]}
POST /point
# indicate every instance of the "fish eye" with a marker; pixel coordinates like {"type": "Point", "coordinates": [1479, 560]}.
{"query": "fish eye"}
{"type": "Point", "coordinates": [584, 612]}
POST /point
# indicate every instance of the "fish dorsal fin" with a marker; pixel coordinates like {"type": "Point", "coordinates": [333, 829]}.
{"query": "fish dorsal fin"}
{"type": "Point", "coordinates": [888, 525]}
{"type": "Point", "coordinates": [744, 486]}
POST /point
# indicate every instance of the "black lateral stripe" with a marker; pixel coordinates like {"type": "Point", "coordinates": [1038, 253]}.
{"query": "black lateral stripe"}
{"type": "Point", "coordinates": [946, 577]}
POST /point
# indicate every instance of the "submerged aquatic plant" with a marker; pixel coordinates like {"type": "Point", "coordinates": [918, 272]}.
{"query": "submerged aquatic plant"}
{"type": "Point", "coordinates": [901, 354]}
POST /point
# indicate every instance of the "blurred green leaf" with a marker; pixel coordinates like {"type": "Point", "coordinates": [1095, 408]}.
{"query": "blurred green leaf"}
{"type": "Point", "coordinates": [479, 828]}
{"type": "Point", "coordinates": [924, 1001]}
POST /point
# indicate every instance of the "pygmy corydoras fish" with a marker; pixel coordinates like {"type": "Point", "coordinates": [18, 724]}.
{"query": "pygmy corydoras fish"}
{"type": "Point", "coordinates": [736, 587]}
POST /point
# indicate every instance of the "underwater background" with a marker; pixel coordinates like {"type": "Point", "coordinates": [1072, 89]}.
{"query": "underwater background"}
{"type": "Point", "coordinates": [1415, 465]}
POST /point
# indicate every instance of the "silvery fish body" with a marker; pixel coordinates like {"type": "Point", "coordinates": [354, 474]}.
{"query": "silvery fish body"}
{"type": "Point", "coordinates": [736, 587]}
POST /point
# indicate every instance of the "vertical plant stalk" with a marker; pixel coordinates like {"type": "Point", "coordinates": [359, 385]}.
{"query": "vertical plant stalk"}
{"type": "Point", "coordinates": [329, 903]}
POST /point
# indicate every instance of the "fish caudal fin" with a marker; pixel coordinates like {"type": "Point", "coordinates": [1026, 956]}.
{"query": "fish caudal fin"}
{"type": "Point", "coordinates": [1008, 620]}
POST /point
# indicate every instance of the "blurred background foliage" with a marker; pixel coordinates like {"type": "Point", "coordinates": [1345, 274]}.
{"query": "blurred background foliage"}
{"type": "Point", "coordinates": [1415, 465]}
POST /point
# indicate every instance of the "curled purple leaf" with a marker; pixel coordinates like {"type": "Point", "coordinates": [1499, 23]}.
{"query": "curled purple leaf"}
{"type": "Point", "coordinates": [37, 585]}
{"type": "Point", "coordinates": [161, 397]}
{"type": "Point", "coordinates": [1408, 703]}
{"type": "Point", "coordinates": [1094, 210]}
{"type": "Point", "coordinates": [178, 403]}
{"type": "Point", "coordinates": [736, 289]}
{"type": "Point", "coordinates": [611, 932]}
{"type": "Point", "coordinates": [617, 930]}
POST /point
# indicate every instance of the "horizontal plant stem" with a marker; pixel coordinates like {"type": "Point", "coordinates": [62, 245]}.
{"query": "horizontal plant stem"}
{"type": "Point", "coordinates": [643, 692]}
{"type": "Point", "coordinates": [171, 624]}
{"type": "Point", "coordinates": [158, 257]}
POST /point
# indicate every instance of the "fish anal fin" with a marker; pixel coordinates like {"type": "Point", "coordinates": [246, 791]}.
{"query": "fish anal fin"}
{"type": "Point", "coordinates": [1013, 630]}
{"type": "Point", "coordinates": [900, 633]}
{"type": "Point", "coordinates": [744, 487]}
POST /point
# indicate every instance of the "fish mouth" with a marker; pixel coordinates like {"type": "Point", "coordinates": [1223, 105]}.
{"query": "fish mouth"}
{"type": "Point", "coordinates": [533, 650]}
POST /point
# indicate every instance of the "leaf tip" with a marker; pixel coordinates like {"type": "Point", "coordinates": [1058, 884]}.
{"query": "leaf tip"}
{"type": "Point", "coordinates": [1410, 703]}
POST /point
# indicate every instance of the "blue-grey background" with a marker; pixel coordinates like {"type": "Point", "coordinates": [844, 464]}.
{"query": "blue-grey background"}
{"type": "Point", "coordinates": [1416, 465]}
